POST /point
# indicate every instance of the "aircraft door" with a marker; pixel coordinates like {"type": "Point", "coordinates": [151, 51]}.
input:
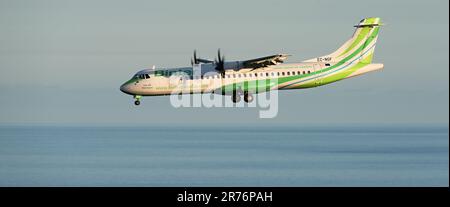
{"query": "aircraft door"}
{"type": "Point", "coordinates": [317, 68]}
{"type": "Point", "coordinates": [175, 82]}
{"type": "Point", "coordinates": [162, 82]}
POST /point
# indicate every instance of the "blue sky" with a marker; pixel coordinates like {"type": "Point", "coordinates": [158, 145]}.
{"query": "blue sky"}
{"type": "Point", "coordinates": [63, 61]}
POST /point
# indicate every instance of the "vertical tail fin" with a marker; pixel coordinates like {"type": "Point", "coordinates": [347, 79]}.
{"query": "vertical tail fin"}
{"type": "Point", "coordinates": [361, 45]}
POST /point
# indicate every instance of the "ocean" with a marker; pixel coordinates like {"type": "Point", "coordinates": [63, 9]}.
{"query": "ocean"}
{"type": "Point", "coordinates": [224, 156]}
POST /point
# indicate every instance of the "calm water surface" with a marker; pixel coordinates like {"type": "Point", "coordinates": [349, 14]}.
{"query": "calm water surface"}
{"type": "Point", "coordinates": [221, 156]}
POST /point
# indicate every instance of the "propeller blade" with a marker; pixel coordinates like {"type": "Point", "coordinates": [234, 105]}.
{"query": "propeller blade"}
{"type": "Point", "coordinates": [220, 63]}
{"type": "Point", "coordinates": [195, 57]}
{"type": "Point", "coordinates": [218, 55]}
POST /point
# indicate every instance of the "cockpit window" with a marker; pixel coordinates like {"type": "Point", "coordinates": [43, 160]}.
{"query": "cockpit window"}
{"type": "Point", "coordinates": [143, 76]}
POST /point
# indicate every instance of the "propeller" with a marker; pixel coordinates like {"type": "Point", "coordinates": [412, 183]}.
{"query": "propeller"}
{"type": "Point", "coordinates": [220, 64]}
{"type": "Point", "coordinates": [194, 60]}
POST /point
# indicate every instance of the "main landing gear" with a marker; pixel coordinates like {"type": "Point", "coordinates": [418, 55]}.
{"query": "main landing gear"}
{"type": "Point", "coordinates": [248, 97]}
{"type": "Point", "coordinates": [236, 97]}
{"type": "Point", "coordinates": [137, 100]}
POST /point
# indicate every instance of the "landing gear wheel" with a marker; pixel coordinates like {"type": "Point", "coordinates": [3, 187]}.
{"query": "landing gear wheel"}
{"type": "Point", "coordinates": [248, 97]}
{"type": "Point", "coordinates": [236, 98]}
{"type": "Point", "coordinates": [239, 92]}
{"type": "Point", "coordinates": [137, 100]}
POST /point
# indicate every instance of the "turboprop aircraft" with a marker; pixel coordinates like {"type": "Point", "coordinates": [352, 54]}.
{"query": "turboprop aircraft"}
{"type": "Point", "coordinates": [248, 77]}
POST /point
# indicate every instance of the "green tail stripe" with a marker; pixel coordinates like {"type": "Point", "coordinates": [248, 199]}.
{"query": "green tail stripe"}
{"type": "Point", "coordinates": [345, 73]}
{"type": "Point", "coordinates": [362, 35]}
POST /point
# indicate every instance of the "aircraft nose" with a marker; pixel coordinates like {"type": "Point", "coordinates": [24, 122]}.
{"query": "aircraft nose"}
{"type": "Point", "coordinates": [125, 88]}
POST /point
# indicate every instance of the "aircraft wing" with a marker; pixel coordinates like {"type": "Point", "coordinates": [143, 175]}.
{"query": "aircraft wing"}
{"type": "Point", "coordinates": [204, 60]}
{"type": "Point", "coordinates": [265, 61]}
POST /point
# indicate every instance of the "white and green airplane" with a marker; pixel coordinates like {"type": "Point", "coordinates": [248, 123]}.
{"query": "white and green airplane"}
{"type": "Point", "coordinates": [244, 78]}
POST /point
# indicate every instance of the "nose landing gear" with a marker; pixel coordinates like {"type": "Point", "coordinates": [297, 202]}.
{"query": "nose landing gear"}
{"type": "Point", "coordinates": [137, 100]}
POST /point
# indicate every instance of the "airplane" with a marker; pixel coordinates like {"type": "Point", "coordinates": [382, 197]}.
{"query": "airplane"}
{"type": "Point", "coordinates": [248, 77]}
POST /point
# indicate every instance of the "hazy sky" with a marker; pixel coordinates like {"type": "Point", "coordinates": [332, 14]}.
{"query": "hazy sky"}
{"type": "Point", "coordinates": [63, 61]}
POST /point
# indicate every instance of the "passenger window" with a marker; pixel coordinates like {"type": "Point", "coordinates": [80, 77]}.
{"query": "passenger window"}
{"type": "Point", "coordinates": [282, 73]}
{"type": "Point", "coordinates": [309, 71]}
{"type": "Point", "coordinates": [267, 74]}
{"type": "Point", "coordinates": [147, 76]}
{"type": "Point", "coordinates": [288, 73]}
{"type": "Point", "coordinates": [256, 74]}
